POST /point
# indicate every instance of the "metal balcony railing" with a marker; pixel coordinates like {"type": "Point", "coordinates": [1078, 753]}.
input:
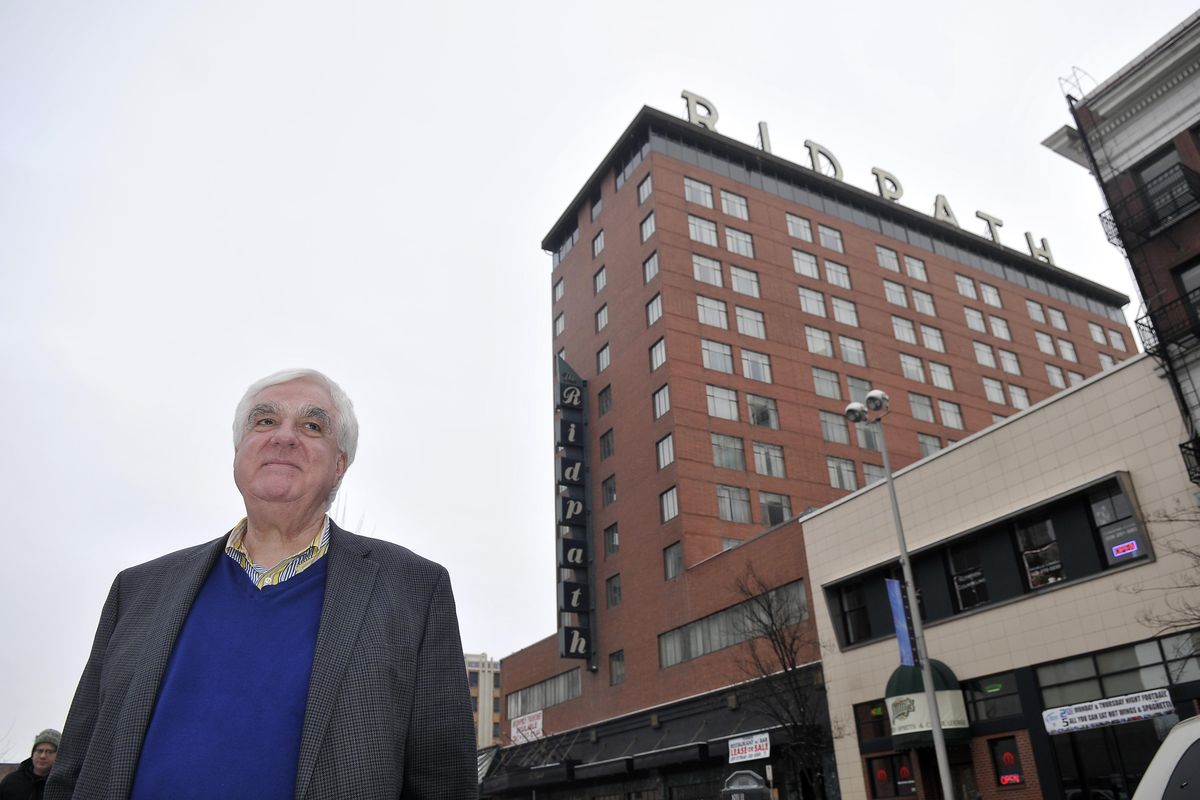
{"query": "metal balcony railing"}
{"type": "Point", "coordinates": [1191, 458]}
{"type": "Point", "coordinates": [1173, 323]}
{"type": "Point", "coordinates": [1138, 217]}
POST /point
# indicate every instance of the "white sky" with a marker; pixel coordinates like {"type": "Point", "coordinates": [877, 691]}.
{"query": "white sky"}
{"type": "Point", "coordinates": [195, 195]}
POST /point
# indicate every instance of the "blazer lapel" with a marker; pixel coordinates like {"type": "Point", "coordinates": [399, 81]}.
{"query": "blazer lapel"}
{"type": "Point", "coordinates": [349, 581]}
{"type": "Point", "coordinates": [180, 585]}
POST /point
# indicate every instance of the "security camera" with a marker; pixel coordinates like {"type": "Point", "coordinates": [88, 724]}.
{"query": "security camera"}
{"type": "Point", "coordinates": [856, 412]}
{"type": "Point", "coordinates": [877, 400]}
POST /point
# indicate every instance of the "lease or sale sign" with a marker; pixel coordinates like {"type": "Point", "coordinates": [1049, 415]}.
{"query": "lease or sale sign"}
{"type": "Point", "coordinates": [748, 748]}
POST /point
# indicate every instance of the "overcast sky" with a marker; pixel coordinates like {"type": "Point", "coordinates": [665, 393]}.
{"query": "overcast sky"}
{"type": "Point", "coordinates": [195, 195]}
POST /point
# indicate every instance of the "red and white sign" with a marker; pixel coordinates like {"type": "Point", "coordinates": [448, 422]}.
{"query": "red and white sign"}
{"type": "Point", "coordinates": [749, 748]}
{"type": "Point", "coordinates": [527, 728]}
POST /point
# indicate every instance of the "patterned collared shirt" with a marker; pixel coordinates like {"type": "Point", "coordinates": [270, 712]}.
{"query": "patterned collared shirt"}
{"type": "Point", "coordinates": [289, 567]}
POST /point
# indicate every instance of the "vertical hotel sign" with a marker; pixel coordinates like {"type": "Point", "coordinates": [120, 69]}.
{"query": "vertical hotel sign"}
{"type": "Point", "coordinates": [572, 541]}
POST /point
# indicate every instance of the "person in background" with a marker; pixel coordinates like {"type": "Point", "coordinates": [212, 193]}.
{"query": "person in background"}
{"type": "Point", "coordinates": [28, 780]}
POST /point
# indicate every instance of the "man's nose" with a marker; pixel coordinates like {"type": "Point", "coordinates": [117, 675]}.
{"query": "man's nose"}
{"type": "Point", "coordinates": [285, 432]}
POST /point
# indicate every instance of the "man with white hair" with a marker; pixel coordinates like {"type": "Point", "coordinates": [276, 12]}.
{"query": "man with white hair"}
{"type": "Point", "coordinates": [287, 659]}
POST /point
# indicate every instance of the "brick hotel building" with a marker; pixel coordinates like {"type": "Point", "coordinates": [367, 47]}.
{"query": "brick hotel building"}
{"type": "Point", "coordinates": [723, 305]}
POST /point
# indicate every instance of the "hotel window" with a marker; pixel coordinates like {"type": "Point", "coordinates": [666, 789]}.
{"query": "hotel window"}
{"type": "Point", "coordinates": [966, 286]}
{"type": "Point", "coordinates": [644, 189]}
{"type": "Point", "coordinates": [702, 230]}
{"type": "Point", "coordinates": [612, 591]}
{"type": "Point", "coordinates": [841, 473]}
{"type": "Point", "coordinates": [833, 428]}
{"type": "Point", "coordinates": [1116, 340]}
{"type": "Point", "coordinates": [775, 508]}
{"type": "Point", "coordinates": [612, 539]}
{"type": "Point", "coordinates": [558, 290]}
{"type": "Point", "coordinates": [819, 342]}
{"type": "Point", "coordinates": [974, 320]}
{"type": "Point", "coordinates": [1035, 311]}
{"type": "Point", "coordinates": [868, 437]}
{"type": "Point", "coordinates": [762, 411]}
{"type": "Point", "coordinates": [928, 444]}
{"type": "Point", "coordinates": [915, 268]}
{"type": "Point", "coordinates": [844, 311]}
{"type": "Point", "coordinates": [668, 504]}
{"type": "Point", "coordinates": [1009, 362]}
{"type": "Point", "coordinates": [654, 310]}
{"type": "Point", "coordinates": [923, 302]}
{"type": "Point", "coordinates": [722, 402]}
{"type": "Point", "coordinates": [940, 376]}
{"type": "Point", "coordinates": [1057, 319]}
{"type": "Point", "coordinates": [598, 244]}
{"type": "Point", "coordinates": [1045, 343]}
{"type": "Point", "coordinates": [872, 473]}
{"type": "Point", "coordinates": [799, 227]}
{"type": "Point", "coordinates": [599, 280]}
{"type": "Point", "coordinates": [607, 444]}
{"type": "Point", "coordinates": [604, 400]}
{"type": "Point", "coordinates": [597, 207]}
{"type": "Point", "coordinates": [966, 576]}
{"type": "Point", "coordinates": [894, 293]}
{"type": "Point", "coordinates": [706, 270]}
{"type": "Point", "coordinates": [658, 354]}
{"type": "Point", "coordinates": [826, 383]}
{"type": "Point", "coordinates": [922, 407]}
{"type": "Point", "coordinates": [887, 258]}
{"type": "Point", "coordinates": [951, 414]}
{"type": "Point", "coordinates": [831, 238]}
{"type": "Point", "coordinates": [711, 312]}
{"type": "Point", "coordinates": [662, 401]}
{"type": "Point", "coordinates": [837, 274]}
{"type": "Point", "coordinates": [853, 351]}
{"type": "Point", "coordinates": [768, 460]}
{"type": "Point", "coordinates": [1097, 332]}
{"type": "Point", "coordinates": [998, 417]}
{"type": "Point", "coordinates": [672, 560]}
{"type": "Point", "coordinates": [1074, 378]}
{"type": "Point", "coordinates": [696, 192]}
{"type": "Point", "coordinates": [650, 268]}
{"type": "Point", "coordinates": [665, 450]}
{"type": "Point", "coordinates": [904, 330]}
{"type": "Point", "coordinates": [1055, 376]}
{"type": "Point", "coordinates": [750, 322]}
{"type": "Point", "coordinates": [733, 503]}
{"type": "Point", "coordinates": [990, 294]}
{"type": "Point", "coordinates": [1038, 549]}
{"type": "Point", "coordinates": [739, 242]}
{"type": "Point", "coordinates": [602, 318]}
{"type": "Point", "coordinates": [984, 355]}
{"type": "Point", "coordinates": [1067, 350]}
{"type": "Point", "coordinates": [734, 205]}
{"type": "Point", "coordinates": [1000, 328]}
{"type": "Point", "coordinates": [1106, 361]}
{"type": "Point", "coordinates": [994, 390]}
{"type": "Point", "coordinates": [647, 228]}
{"type": "Point", "coordinates": [932, 338]}
{"type": "Point", "coordinates": [716, 355]}
{"type": "Point", "coordinates": [805, 264]}
{"type": "Point", "coordinates": [912, 368]}
{"type": "Point", "coordinates": [812, 302]}
{"type": "Point", "coordinates": [603, 359]}
{"type": "Point", "coordinates": [728, 452]}
{"type": "Point", "coordinates": [743, 281]}
{"type": "Point", "coordinates": [608, 490]}
{"type": "Point", "coordinates": [616, 668]}
{"type": "Point", "coordinates": [1019, 397]}
{"type": "Point", "coordinates": [560, 324]}
{"type": "Point", "coordinates": [756, 366]}
{"type": "Point", "coordinates": [857, 388]}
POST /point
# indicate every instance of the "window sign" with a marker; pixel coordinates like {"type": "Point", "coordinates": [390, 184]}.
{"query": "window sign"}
{"type": "Point", "coordinates": [1006, 761]}
{"type": "Point", "coordinates": [1108, 711]}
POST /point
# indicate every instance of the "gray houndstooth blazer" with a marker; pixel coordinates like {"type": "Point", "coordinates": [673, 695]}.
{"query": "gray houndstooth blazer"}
{"type": "Point", "coordinates": [387, 716]}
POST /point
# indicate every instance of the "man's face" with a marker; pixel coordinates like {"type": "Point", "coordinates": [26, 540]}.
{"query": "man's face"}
{"type": "Point", "coordinates": [43, 758]}
{"type": "Point", "coordinates": [288, 452]}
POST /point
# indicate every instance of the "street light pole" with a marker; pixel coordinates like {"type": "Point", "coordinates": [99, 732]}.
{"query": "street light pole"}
{"type": "Point", "coordinates": [877, 401]}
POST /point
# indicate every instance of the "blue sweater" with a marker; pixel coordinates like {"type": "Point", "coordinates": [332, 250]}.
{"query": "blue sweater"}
{"type": "Point", "coordinates": [230, 708]}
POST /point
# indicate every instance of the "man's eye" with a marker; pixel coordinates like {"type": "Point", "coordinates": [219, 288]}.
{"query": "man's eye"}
{"type": "Point", "coordinates": [313, 426]}
{"type": "Point", "coordinates": [263, 421]}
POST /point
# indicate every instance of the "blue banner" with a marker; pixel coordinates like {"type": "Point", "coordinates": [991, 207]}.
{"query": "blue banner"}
{"type": "Point", "coordinates": [900, 621]}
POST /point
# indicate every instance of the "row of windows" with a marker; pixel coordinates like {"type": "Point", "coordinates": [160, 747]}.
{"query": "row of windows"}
{"type": "Point", "coordinates": [552, 691]}
{"type": "Point", "coordinates": [733, 625]}
{"type": "Point", "coordinates": [718, 357]}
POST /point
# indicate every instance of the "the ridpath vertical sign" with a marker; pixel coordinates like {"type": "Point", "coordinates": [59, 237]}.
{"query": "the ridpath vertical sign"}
{"type": "Point", "coordinates": [572, 539]}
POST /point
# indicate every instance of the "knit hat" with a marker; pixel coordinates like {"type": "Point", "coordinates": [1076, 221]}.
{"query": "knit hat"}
{"type": "Point", "coordinates": [48, 736]}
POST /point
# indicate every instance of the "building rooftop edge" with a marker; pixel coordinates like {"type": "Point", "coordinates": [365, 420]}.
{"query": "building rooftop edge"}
{"type": "Point", "coordinates": [1141, 59]}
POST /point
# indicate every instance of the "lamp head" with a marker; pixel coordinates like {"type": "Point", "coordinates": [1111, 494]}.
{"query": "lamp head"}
{"type": "Point", "coordinates": [856, 412]}
{"type": "Point", "coordinates": [877, 400]}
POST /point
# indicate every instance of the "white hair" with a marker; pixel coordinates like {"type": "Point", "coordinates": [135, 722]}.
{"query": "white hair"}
{"type": "Point", "coordinates": [345, 423]}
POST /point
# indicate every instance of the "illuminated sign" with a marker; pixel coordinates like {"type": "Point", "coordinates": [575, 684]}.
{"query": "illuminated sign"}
{"type": "Point", "coordinates": [702, 112]}
{"type": "Point", "coordinates": [1124, 549]}
{"type": "Point", "coordinates": [572, 539]}
{"type": "Point", "coordinates": [1009, 780]}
